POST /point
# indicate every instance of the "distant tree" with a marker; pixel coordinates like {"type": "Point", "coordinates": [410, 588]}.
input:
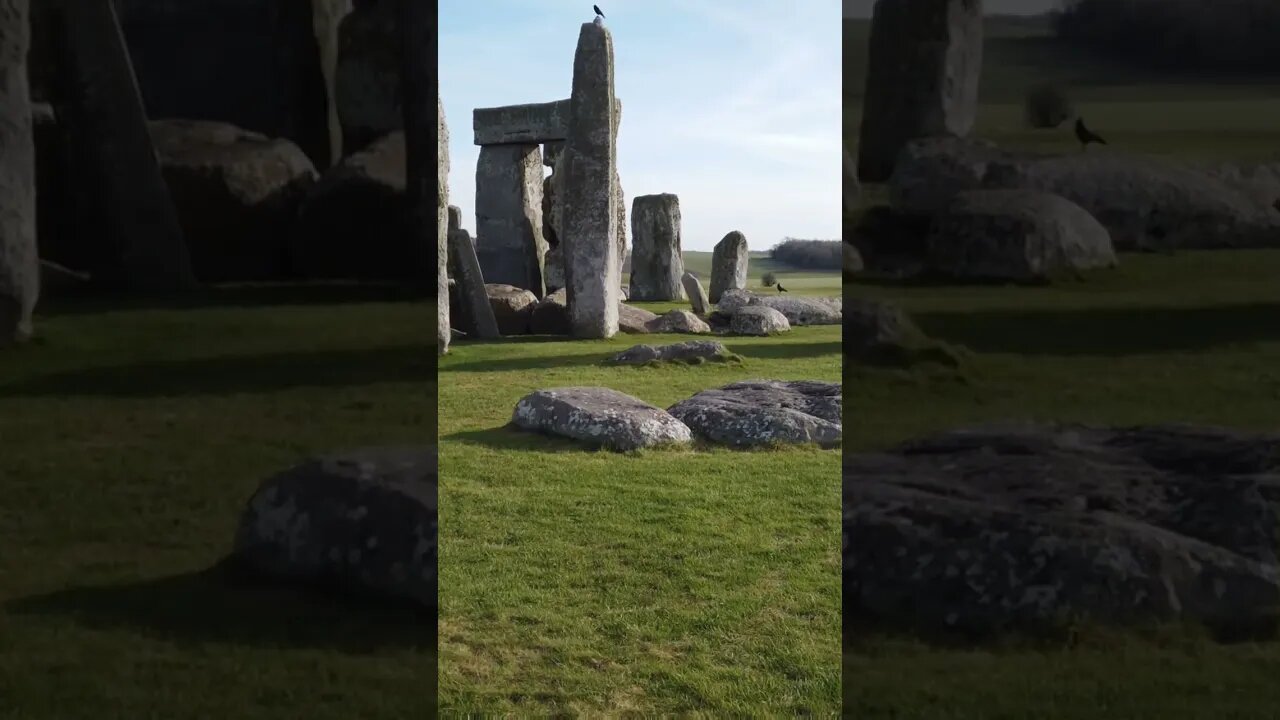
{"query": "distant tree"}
{"type": "Point", "coordinates": [1047, 106]}
{"type": "Point", "coordinates": [769, 279]}
{"type": "Point", "coordinates": [809, 254]}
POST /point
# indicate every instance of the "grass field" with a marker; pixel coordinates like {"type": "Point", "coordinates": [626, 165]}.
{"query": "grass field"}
{"type": "Point", "coordinates": [1191, 338]}
{"type": "Point", "coordinates": [131, 439]}
{"type": "Point", "coordinates": [583, 583]}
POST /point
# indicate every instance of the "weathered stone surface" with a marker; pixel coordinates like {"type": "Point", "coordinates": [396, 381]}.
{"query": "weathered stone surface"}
{"type": "Point", "coordinates": [620, 202]}
{"type": "Point", "coordinates": [364, 520]}
{"type": "Point", "coordinates": [923, 66]}
{"type": "Point", "coordinates": [758, 320]}
{"type": "Point", "coordinates": [696, 294]}
{"type": "Point", "coordinates": [1260, 182]}
{"type": "Point", "coordinates": [852, 188]}
{"type": "Point", "coordinates": [237, 194]}
{"type": "Point", "coordinates": [266, 67]}
{"type": "Point", "coordinates": [657, 262]}
{"type": "Point", "coordinates": [798, 310]}
{"type": "Point", "coordinates": [678, 321]}
{"type": "Point", "coordinates": [521, 124]}
{"type": "Point", "coordinates": [512, 307]}
{"type": "Point", "coordinates": [728, 265]}
{"type": "Point", "coordinates": [763, 412]}
{"type": "Point", "coordinates": [443, 333]}
{"type": "Point", "coordinates": [366, 83]}
{"type": "Point", "coordinates": [600, 417]}
{"type": "Point", "coordinates": [551, 152]}
{"type": "Point", "coordinates": [509, 238]}
{"type": "Point", "coordinates": [1023, 527]}
{"type": "Point", "coordinates": [633, 320]}
{"type": "Point", "coordinates": [553, 269]}
{"type": "Point", "coordinates": [1016, 235]}
{"type": "Point", "coordinates": [141, 243]}
{"type": "Point", "coordinates": [550, 213]}
{"type": "Point", "coordinates": [354, 224]}
{"type": "Point", "coordinates": [690, 351]}
{"type": "Point", "coordinates": [1145, 203]}
{"type": "Point", "coordinates": [881, 333]}
{"type": "Point", "coordinates": [589, 229]}
{"type": "Point", "coordinates": [474, 302]}
{"type": "Point", "coordinates": [19, 261]}
{"type": "Point", "coordinates": [455, 218]}
{"type": "Point", "coordinates": [551, 315]}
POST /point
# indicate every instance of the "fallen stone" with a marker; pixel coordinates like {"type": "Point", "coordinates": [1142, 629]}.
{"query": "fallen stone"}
{"type": "Point", "coordinates": [765, 412]}
{"type": "Point", "coordinates": [551, 315]}
{"type": "Point", "coordinates": [692, 351]}
{"type": "Point", "coordinates": [633, 320]}
{"type": "Point", "coordinates": [600, 417]}
{"type": "Point", "coordinates": [1026, 527]}
{"type": "Point", "coordinates": [512, 307]}
{"type": "Point", "coordinates": [758, 320]}
{"type": "Point", "coordinates": [798, 310]}
{"type": "Point", "coordinates": [678, 321]}
{"type": "Point", "coordinates": [362, 520]}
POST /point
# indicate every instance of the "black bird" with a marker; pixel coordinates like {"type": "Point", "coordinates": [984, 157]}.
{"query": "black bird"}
{"type": "Point", "coordinates": [597, 9]}
{"type": "Point", "coordinates": [781, 289]}
{"type": "Point", "coordinates": [1086, 136]}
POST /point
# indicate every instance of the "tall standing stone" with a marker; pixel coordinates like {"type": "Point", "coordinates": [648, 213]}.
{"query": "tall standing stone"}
{"type": "Point", "coordinates": [924, 63]}
{"type": "Point", "coordinates": [19, 263]}
{"type": "Point", "coordinates": [697, 296]}
{"type": "Point", "coordinates": [142, 243]}
{"type": "Point", "coordinates": [418, 78]}
{"type": "Point", "coordinates": [477, 313]}
{"type": "Point", "coordinates": [442, 228]}
{"type": "Point", "coordinates": [728, 265]}
{"type": "Point", "coordinates": [590, 211]}
{"type": "Point", "coordinates": [657, 263]}
{"type": "Point", "coordinates": [509, 239]}
{"type": "Point", "coordinates": [620, 201]}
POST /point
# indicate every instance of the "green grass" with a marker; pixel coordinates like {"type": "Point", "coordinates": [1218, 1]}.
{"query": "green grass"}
{"type": "Point", "coordinates": [131, 439]}
{"type": "Point", "coordinates": [797, 281]}
{"type": "Point", "coordinates": [575, 582]}
{"type": "Point", "coordinates": [1186, 338]}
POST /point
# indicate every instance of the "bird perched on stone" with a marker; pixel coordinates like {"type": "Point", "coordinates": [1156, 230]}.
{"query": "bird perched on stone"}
{"type": "Point", "coordinates": [1086, 136]}
{"type": "Point", "coordinates": [781, 289]}
{"type": "Point", "coordinates": [597, 9]}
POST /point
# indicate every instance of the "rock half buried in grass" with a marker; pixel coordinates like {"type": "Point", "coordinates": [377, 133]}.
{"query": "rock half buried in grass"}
{"type": "Point", "coordinates": [692, 352]}
{"type": "Point", "coordinates": [765, 412]}
{"type": "Point", "coordinates": [678, 321]}
{"type": "Point", "coordinates": [758, 320]}
{"type": "Point", "coordinates": [1023, 527]}
{"type": "Point", "coordinates": [881, 333]}
{"type": "Point", "coordinates": [599, 416]}
{"type": "Point", "coordinates": [797, 310]}
{"type": "Point", "coordinates": [363, 520]}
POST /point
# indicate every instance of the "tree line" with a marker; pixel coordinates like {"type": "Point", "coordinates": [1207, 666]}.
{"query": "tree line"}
{"type": "Point", "coordinates": [808, 254]}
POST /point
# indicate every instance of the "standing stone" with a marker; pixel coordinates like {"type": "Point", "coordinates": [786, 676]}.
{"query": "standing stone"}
{"type": "Point", "coordinates": [589, 184]}
{"type": "Point", "coordinates": [19, 264]}
{"type": "Point", "coordinates": [728, 265]}
{"type": "Point", "coordinates": [852, 188]}
{"type": "Point", "coordinates": [695, 292]}
{"type": "Point", "coordinates": [621, 201]}
{"type": "Point", "coordinates": [142, 246]}
{"type": "Point", "coordinates": [442, 227]}
{"type": "Point", "coordinates": [656, 260]}
{"type": "Point", "coordinates": [509, 238]}
{"type": "Point", "coordinates": [367, 78]}
{"type": "Point", "coordinates": [476, 313]}
{"type": "Point", "coordinates": [922, 77]}
{"type": "Point", "coordinates": [455, 218]}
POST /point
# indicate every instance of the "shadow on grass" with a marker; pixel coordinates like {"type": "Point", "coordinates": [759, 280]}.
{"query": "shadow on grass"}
{"type": "Point", "coordinates": [1105, 331]}
{"type": "Point", "coordinates": [256, 295]}
{"type": "Point", "coordinates": [535, 363]}
{"type": "Point", "coordinates": [783, 350]}
{"type": "Point", "coordinates": [509, 437]}
{"type": "Point", "coordinates": [223, 375]}
{"type": "Point", "coordinates": [223, 604]}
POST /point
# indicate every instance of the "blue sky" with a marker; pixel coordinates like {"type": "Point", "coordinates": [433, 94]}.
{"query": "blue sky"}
{"type": "Point", "coordinates": [734, 105]}
{"type": "Point", "coordinates": [862, 8]}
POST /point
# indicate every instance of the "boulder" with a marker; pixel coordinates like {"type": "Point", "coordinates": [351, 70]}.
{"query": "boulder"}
{"type": "Point", "coordinates": [237, 194]}
{"type": "Point", "coordinates": [364, 520]}
{"type": "Point", "coordinates": [354, 222]}
{"type": "Point", "coordinates": [924, 61]}
{"type": "Point", "coordinates": [633, 320]}
{"type": "Point", "coordinates": [678, 321]}
{"type": "Point", "coordinates": [692, 351]}
{"type": "Point", "coordinates": [694, 291]}
{"type": "Point", "coordinates": [512, 307]}
{"type": "Point", "coordinates": [1027, 527]}
{"type": "Point", "coordinates": [758, 320]}
{"type": "Point", "coordinates": [798, 310]}
{"type": "Point", "coordinates": [1016, 236]}
{"type": "Point", "coordinates": [765, 412]}
{"type": "Point", "coordinates": [1146, 203]}
{"type": "Point", "coordinates": [551, 315]}
{"type": "Point", "coordinates": [599, 417]}
{"type": "Point", "coordinates": [728, 265]}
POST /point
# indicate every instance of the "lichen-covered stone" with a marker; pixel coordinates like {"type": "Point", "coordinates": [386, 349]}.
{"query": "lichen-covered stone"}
{"type": "Point", "coordinates": [364, 520]}
{"type": "Point", "coordinates": [599, 417]}
{"type": "Point", "coordinates": [765, 412]}
{"type": "Point", "coordinates": [758, 320]}
{"type": "Point", "coordinates": [798, 310]}
{"type": "Point", "coordinates": [657, 263]}
{"type": "Point", "coordinates": [728, 265]}
{"type": "Point", "coordinates": [512, 307]}
{"type": "Point", "coordinates": [678, 321]}
{"type": "Point", "coordinates": [690, 351]}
